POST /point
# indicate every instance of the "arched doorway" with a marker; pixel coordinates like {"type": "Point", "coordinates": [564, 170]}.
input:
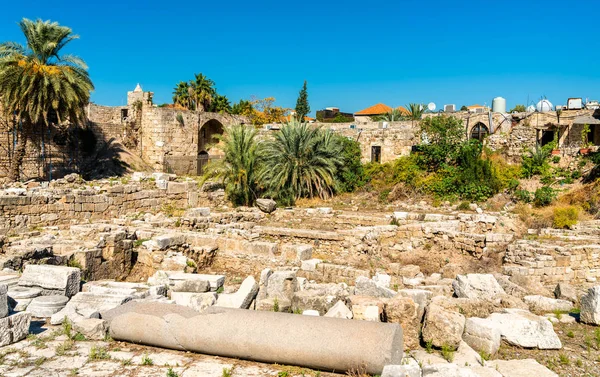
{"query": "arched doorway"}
{"type": "Point", "coordinates": [208, 135]}
{"type": "Point", "coordinates": [479, 131]}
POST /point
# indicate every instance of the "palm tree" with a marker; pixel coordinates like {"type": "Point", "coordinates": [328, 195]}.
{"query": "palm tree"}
{"type": "Point", "coordinates": [204, 91]}
{"type": "Point", "coordinates": [239, 168]}
{"type": "Point", "coordinates": [181, 95]}
{"type": "Point", "coordinates": [301, 161]}
{"type": "Point", "coordinates": [242, 108]}
{"type": "Point", "coordinates": [392, 116]}
{"type": "Point", "coordinates": [38, 84]}
{"type": "Point", "coordinates": [415, 110]}
{"type": "Point", "coordinates": [221, 104]}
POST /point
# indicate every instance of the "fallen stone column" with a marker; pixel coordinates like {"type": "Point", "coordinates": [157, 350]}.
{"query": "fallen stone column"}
{"type": "Point", "coordinates": [314, 342]}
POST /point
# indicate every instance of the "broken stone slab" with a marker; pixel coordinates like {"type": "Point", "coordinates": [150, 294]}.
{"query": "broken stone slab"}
{"type": "Point", "coordinates": [319, 342]}
{"type": "Point", "coordinates": [310, 265]}
{"type": "Point", "coordinates": [3, 300]}
{"type": "Point", "coordinates": [482, 335]}
{"type": "Point", "coordinates": [480, 286]}
{"type": "Point", "coordinates": [319, 297]}
{"type": "Point", "coordinates": [590, 306]}
{"type": "Point", "coordinates": [539, 303]}
{"type": "Point", "coordinates": [299, 252]}
{"type": "Point", "coordinates": [215, 281]}
{"type": "Point", "coordinates": [366, 308]}
{"type": "Point", "coordinates": [421, 297]}
{"type": "Point", "coordinates": [136, 290]}
{"type": "Point", "coordinates": [9, 277]}
{"type": "Point", "coordinates": [91, 328]}
{"type": "Point", "coordinates": [521, 368]}
{"type": "Point", "coordinates": [46, 306]}
{"type": "Point", "coordinates": [405, 311]}
{"type": "Point", "coordinates": [22, 296]}
{"type": "Point", "coordinates": [196, 286]}
{"type": "Point", "coordinates": [368, 287]}
{"type": "Point", "coordinates": [89, 305]}
{"type": "Point", "coordinates": [447, 370]}
{"type": "Point", "coordinates": [242, 298]}
{"type": "Point", "coordinates": [382, 280]}
{"type": "Point", "coordinates": [165, 241]}
{"type": "Point", "coordinates": [564, 291]}
{"type": "Point", "coordinates": [198, 212]}
{"type": "Point", "coordinates": [339, 310]}
{"type": "Point", "coordinates": [54, 280]}
{"type": "Point", "coordinates": [443, 327]}
{"type": "Point", "coordinates": [14, 328]}
{"type": "Point", "coordinates": [281, 285]}
{"type": "Point", "coordinates": [266, 205]}
{"type": "Point", "coordinates": [408, 368]}
{"type": "Point", "coordinates": [524, 329]}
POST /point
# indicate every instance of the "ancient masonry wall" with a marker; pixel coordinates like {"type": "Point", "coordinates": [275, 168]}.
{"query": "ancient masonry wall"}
{"type": "Point", "coordinates": [59, 207]}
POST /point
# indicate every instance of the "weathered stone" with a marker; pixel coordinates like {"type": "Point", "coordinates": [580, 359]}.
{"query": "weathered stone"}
{"type": "Point", "coordinates": [465, 355]}
{"type": "Point", "coordinates": [198, 212]}
{"type": "Point", "coordinates": [564, 291]}
{"type": "Point", "coordinates": [311, 312]}
{"type": "Point", "coordinates": [281, 285]}
{"type": "Point", "coordinates": [521, 368]}
{"type": "Point", "coordinates": [545, 304]}
{"type": "Point", "coordinates": [52, 279]}
{"type": "Point", "coordinates": [89, 305]}
{"type": "Point", "coordinates": [339, 310]}
{"type": "Point", "coordinates": [443, 327]}
{"type": "Point", "coordinates": [196, 286]}
{"type": "Point", "coordinates": [242, 298]}
{"type": "Point", "coordinates": [110, 287]}
{"type": "Point", "coordinates": [367, 287]}
{"type": "Point", "coordinates": [303, 252]}
{"type": "Point", "coordinates": [480, 286]}
{"type": "Point", "coordinates": [421, 297]}
{"type": "Point", "coordinates": [22, 296]}
{"type": "Point", "coordinates": [408, 368]}
{"type": "Point", "coordinates": [3, 300]}
{"type": "Point", "coordinates": [482, 335]}
{"type": "Point", "coordinates": [91, 328]}
{"type": "Point", "coordinates": [173, 277]}
{"type": "Point", "coordinates": [366, 308]}
{"type": "Point", "coordinates": [46, 306]}
{"type": "Point", "coordinates": [14, 328]}
{"type": "Point", "coordinates": [201, 301]}
{"type": "Point", "coordinates": [266, 205]}
{"type": "Point", "coordinates": [405, 311]}
{"type": "Point", "coordinates": [319, 297]}
{"type": "Point", "coordinates": [319, 342]}
{"type": "Point", "coordinates": [524, 329]}
{"type": "Point", "coordinates": [590, 306]}
{"type": "Point", "coordinates": [310, 265]}
{"type": "Point", "coordinates": [447, 370]}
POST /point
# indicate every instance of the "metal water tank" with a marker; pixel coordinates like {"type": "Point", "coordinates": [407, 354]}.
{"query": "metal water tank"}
{"type": "Point", "coordinates": [544, 106]}
{"type": "Point", "coordinates": [499, 105]}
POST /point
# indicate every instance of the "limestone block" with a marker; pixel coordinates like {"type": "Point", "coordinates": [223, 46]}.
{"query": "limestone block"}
{"type": "Point", "coordinates": [405, 311]}
{"type": "Point", "coordinates": [215, 281]}
{"type": "Point", "coordinates": [198, 212]}
{"type": "Point", "coordinates": [165, 241]}
{"type": "Point", "coordinates": [282, 285]}
{"type": "Point", "coordinates": [366, 308]}
{"type": "Point", "coordinates": [482, 335]}
{"type": "Point", "coordinates": [310, 265]}
{"type": "Point", "coordinates": [91, 328]}
{"type": "Point", "coordinates": [339, 310]}
{"type": "Point", "coordinates": [447, 370]}
{"type": "Point", "coordinates": [23, 296]}
{"type": "Point", "coordinates": [539, 303]}
{"type": "Point", "coordinates": [176, 188]}
{"type": "Point", "coordinates": [14, 328]}
{"type": "Point", "coordinates": [266, 205]}
{"type": "Point", "coordinates": [242, 298]}
{"type": "Point", "coordinates": [443, 327]}
{"type": "Point", "coordinates": [521, 368]}
{"type": "Point", "coordinates": [46, 306]}
{"type": "Point", "coordinates": [303, 252]}
{"type": "Point", "coordinates": [110, 287]}
{"type": "Point", "coordinates": [89, 305]}
{"type": "Point", "coordinates": [408, 368]}
{"type": "Point", "coordinates": [201, 301]}
{"type": "Point", "coordinates": [52, 279]}
{"type": "Point", "coordinates": [524, 329]}
{"type": "Point", "coordinates": [197, 286]}
{"type": "Point", "coordinates": [311, 312]}
{"type": "Point", "coordinates": [590, 306]}
{"type": "Point", "coordinates": [564, 291]}
{"type": "Point", "coordinates": [319, 297]}
{"type": "Point", "coordinates": [421, 297]}
{"type": "Point", "coordinates": [480, 286]}
{"type": "Point", "coordinates": [368, 287]}
{"type": "Point", "coordinates": [3, 300]}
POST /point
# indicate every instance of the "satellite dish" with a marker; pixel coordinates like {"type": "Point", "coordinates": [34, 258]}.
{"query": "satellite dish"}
{"type": "Point", "coordinates": [431, 106]}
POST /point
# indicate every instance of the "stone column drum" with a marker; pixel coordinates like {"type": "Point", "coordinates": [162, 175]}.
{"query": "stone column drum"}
{"type": "Point", "coordinates": [315, 342]}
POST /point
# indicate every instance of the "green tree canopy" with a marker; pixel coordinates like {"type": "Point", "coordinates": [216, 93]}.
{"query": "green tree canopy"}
{"type": "Point", "coordinates": [302, 106]}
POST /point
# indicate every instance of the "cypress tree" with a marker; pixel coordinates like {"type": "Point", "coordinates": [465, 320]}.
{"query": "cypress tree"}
{"type": "Point", "coordinates": [302, 106]}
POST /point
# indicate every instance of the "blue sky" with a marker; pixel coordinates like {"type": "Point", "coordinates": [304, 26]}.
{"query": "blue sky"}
{"type": "Point", "coordinates": [352, 53]}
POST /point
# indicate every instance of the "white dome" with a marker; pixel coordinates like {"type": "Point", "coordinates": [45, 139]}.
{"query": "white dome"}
{"type": "Point", "coordinates": [544, 106]}
{"type": "Point", "coordinates": [531, 109]}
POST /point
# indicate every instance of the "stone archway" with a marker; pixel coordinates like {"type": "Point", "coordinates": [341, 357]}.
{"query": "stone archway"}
{"type": "Point", "coordinates": [479, 131]}
{"type": "Point", "coordinates": [208, 135]}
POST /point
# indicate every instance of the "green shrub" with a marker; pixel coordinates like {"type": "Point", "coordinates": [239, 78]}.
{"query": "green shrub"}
{"type": "Point", "coordinates": [522, 196]}
{"type": "Point", "coordinates": [535, 163]}
{"type": "Point", "coordinates": [544, 196]}
{"type": "Point", "coordinates": [351, 175]}
{"type": "Point", "coordinates": [556, 159]}
{"type": "Point", "coordinates": [463, 206]}
{"type": "Point", "coordinates": [576, 174]}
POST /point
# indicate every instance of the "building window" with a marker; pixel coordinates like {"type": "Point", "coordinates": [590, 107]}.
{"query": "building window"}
{"type": "Point", "coordinates": [124, 113]}
{"type": "Point", "coordinates": [376, 153]}
{"type": "Point", "coordinates": [479, 132]}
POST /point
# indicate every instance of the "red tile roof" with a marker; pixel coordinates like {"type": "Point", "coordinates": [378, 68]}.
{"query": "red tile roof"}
{"type": "Point", "coordinates": [378, 109]}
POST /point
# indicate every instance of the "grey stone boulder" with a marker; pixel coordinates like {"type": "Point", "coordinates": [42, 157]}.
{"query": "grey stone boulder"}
{"type": "Point", "coordinates": [367, 287]}
{"type": "Point", "coordinates": [524, 329]}
{"type": "Point", "coordinates": [320, 297]}
{"type": "Point", "coordinates": [564, 291]}
{"type": "Point", "coordinates": [539, 303]}
{"type": "Point", "coordinates": [447, 370]}
{"type": "Point", "coordinates": [521, 368]}
{"type": "Point", "coordinates": [339, 310]}
{"type": "Point", "coordinates": [14, 328]}
{"type": "Point", "coordinates": [479, 286]}
{"type": "Point", "coordinates": [590, 306]}
{"type": "Point", "coordinates": [278, 287]}
{"type": "Point", "coordinates": [196, 286]}
{"type": "Point", "coordinates": [53, 280]}
{"type": "Point", "coordinates": [242, 298]}
{"type": "Point", "coordinates": [443, 327]}
{"type": "Point", "coordinates": [91, 328]}
{"type": "Point", "coordinates": [408, 368]}
{"type": "Point", "coordinates": [3, 300]}
{"type": "Point", "coordinates": [482, 335]}
{"type": "Point", "coordinates": [266, 205]}
{"type": "Point", "coordinates": [46, 306]}
{"type": "Point", "coordinates": [22, 296]}
{"type": "Point", "coordinates": [421, 297]}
